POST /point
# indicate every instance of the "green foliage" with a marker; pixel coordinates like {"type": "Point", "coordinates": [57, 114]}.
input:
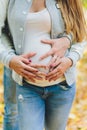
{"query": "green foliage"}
{"type": "Point", "coordinates": [84, 3]}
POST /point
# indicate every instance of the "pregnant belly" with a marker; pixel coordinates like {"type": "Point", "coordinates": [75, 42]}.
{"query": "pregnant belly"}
{"type": "Point", "coordinates": [40, 49]}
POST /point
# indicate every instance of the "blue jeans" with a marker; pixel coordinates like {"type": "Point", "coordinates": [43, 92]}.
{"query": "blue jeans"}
{"type": "Point", "coordinates": [48, 107]}
{"type": "Point", "coordinates": [10, 110]}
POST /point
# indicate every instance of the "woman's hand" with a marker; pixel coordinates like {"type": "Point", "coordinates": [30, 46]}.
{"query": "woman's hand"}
{"type": "Point", "coordinates": [58, 48]}
{"type": "Point", "coordinates": [58, 68]}
{"type": "Point", "coordinates": [22, 65]}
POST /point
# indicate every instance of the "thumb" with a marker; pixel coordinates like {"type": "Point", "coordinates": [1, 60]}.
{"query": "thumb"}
{"type": "Point", "coordinates": [29, 55]}
{"type": "Point", "coordinates": [46, 41]}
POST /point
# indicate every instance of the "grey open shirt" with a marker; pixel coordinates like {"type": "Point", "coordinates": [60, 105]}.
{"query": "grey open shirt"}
{"type": "Point", "coordinates": [16, 12]}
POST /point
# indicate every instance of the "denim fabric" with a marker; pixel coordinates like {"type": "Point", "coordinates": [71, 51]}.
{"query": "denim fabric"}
{"type": "Point", "coordinates": [10, 111]}
{"type": "Point", "coordinates": [47, 107]}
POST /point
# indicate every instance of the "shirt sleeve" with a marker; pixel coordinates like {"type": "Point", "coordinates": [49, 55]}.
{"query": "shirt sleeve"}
{"type": "Point", "coordinates": [76, 51]}
{"type": "Point", "coordinates": [6, 46]}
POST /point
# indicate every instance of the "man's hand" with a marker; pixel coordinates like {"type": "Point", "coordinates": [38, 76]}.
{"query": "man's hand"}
{"type": "Point", "coordinates": [22, 65]}
{"type": "Point", "coordinates": [58, 48]}
{"type": "Point", "coordinates": [58, 68]}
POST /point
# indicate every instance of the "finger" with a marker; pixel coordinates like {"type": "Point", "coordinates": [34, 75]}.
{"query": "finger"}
{"type": "Point", "coordinates": [56, 60]}
{"type": "Point", "coordinates": [55, 77]}
{"type": "Point", "coordinates": [26, 61]}
{"type": "Point", "coordinates": [29, 74]}
{"type": "Point", "coordinates": [37, 75]}
{"type": "Point", "coordinates": [49, 53]}
{"type": "Point", "coordinates": [59, 76]}
{"type": "Point", "coordinates": [38, 66]}
{"type": "Point", "coordinates": [26, 77]}
{"type": "Point", "coordinates": [47, 41]}
{"type": "Point", "coordinates": [29, 55]}
{"type": "Point", "coordinates": [39, 78]}
{"type": "Point", "coordinates": [52, 76]}
{"type": "Point", "coordinates": [34, 71]}
{"type": "Point", "coordinates": [55, 64]}
{"type": "Point", "coordinates": [54, 71]}
{"type": "Point", "coordinates": [29, 68]}
{"type": "Point", "coordinates": [50, 63]}
{"type": "Point", "coordinates": [30, 79]}
{"type": "Point", "coordinates": [41, 74]}
{"type": "Point", "coordinates": [53, 60]}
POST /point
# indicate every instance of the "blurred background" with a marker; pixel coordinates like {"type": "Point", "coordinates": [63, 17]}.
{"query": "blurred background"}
{"type": "Point", "coordinates": [78, 116]}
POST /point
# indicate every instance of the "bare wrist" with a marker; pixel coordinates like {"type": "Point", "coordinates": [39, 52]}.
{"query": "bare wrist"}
{"type": "Point", "coordinates": [11, 62]}
{"type": "Point", "coordinates": [67, 41]}
{"type": "Point", "coordinates": [70, 61]}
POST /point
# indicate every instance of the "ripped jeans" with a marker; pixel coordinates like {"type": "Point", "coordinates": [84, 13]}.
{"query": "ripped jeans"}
{"type": "Point", "coordinates": [10, 109]}
{"type": "Point", "coordinates": [48, 107]}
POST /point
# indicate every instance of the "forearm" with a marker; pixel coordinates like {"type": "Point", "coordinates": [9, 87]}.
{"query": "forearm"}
{"type": "Point", "coordinates": [6, 46]}
{"type": "Point", "coordinates": [76, 51]}
{"type": "Point", "coordinates": [6, 50]}
{"type": "Point", "coordinates": [69, 38]}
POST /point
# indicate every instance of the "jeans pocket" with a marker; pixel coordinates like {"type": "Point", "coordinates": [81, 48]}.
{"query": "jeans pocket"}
{"type": "Point", "coordinates": [64, 86]}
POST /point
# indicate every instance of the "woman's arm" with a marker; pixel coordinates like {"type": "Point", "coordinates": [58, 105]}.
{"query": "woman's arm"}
{"type": "Point", "coordinates": [20, 64]}
{"type": "Point", "coordinates": [60, 45]}
{"type": "Point", "coordinates": [60, 65]}
{"type": "Point", "coordinates": [6, 46]}
{"type": "Point", "coordinates": [76, 51]}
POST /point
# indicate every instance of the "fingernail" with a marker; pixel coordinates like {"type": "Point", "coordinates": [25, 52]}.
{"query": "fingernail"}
{"type": "Point", "coordinates": [30, 61]}
{"type": "Point", "coordinates": [51, 65]}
